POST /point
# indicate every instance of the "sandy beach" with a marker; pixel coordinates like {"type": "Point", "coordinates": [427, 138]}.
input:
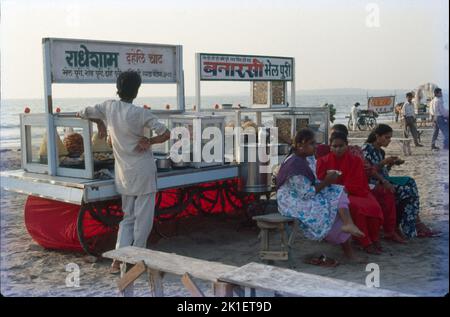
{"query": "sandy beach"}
{"type": "Point", "coordinates": [418, 268]}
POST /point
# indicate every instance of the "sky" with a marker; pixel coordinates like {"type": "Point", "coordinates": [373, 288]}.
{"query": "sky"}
{"type": "Point", "coordinates": [390, 44]}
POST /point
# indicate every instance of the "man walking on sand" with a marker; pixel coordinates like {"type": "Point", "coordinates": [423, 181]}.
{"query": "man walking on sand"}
{"type": "Point", "coordinates": [439, 117]}
{"type": "Point", "coordinates": [410, 118]}
{"type": "Point", "coordinates": [135, 169]}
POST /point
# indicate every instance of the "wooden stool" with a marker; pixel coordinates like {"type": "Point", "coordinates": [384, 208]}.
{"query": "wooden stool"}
{"type": "Point", "coordinates": [269, 223]}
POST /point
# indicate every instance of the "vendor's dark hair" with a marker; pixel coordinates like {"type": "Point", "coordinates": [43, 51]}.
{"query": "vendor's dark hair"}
{"type": "Point", "coordinates": [380, 129]}
{"type": "Point", "coordinates": [340, 128]}
{"type": "Point", "coordinates": [338, 135]}
{"type": "Point", "coordinates": [128, 84]}
{"type": "Point", "coordinates": [409, 94]}
{"type": "Point", "coordinates": [303, 135]}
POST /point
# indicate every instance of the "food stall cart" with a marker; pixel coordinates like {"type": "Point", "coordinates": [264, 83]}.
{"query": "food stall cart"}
{"type": "Point", "coordinates": [72, 202]}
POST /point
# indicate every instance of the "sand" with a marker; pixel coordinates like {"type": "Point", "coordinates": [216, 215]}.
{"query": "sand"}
{"type": "Point", "coordinates": [418, 268]}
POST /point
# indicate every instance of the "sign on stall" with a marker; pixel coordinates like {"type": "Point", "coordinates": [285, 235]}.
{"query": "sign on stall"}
{"type": "Point", "coordinates": [84, 61]}
{"type": "Point", "coordinates": [381, 104]}
{"type": "Point", "coordinates": [245, 67]}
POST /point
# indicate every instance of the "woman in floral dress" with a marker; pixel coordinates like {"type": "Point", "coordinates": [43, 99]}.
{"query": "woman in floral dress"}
{"type": "Point", "coordinates": [404, 188]}
{"type": "Point", "coordinates": [320, 207]}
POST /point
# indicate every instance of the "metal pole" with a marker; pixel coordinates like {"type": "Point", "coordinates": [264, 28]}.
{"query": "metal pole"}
{"type": "Point", "coordinates": [293, 84]}
{"type": "Point", "coordinates": [197, 82]}
{"type": "Point", "coordinates": [51, 132]}
{"type": "Point", "coordinates": [180, 79]}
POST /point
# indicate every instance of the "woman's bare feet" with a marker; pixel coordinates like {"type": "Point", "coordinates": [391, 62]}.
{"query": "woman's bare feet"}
{"type": "Point", "coordinates": [353, 230]}
{"type": "Point", "coordinates": [372, 249]}
{"type": "Point", "coordinates": [350, 256]}
{"type": "Point", "coordinates": [395, 237]}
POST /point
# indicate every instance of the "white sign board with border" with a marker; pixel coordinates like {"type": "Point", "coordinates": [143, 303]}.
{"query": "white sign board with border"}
{"type": "Point", "coordinates": [88, 61]}
{"type": "Point", "coordinates": [245, 67]}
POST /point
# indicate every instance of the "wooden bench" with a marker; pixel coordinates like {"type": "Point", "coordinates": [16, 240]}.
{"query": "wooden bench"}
{"type": "Point", "coordinates": [274, 222]}
{"type": "Point", "coordinates": [288, 282]}
{"type": "Point", "coordinates": [157, 263]}
{"type": "Point", "coordinates": [405, 143]}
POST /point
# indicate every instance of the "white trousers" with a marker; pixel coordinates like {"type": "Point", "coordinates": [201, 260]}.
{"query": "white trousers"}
{"type": "Point", "coordinates": [137, 221]}
{"type": "Point", "coordinates": [354, 123]}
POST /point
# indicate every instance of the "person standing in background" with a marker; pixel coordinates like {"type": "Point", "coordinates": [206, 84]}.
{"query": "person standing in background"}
{"type": "Point", "coordinates": [354, 116]}
{"type": "Point", "coordinates": [410, 118]}
{"type": "Point", "coordinates": [439, 117]}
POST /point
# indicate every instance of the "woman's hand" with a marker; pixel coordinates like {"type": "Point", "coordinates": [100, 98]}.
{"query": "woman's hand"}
{"type": "Point", "coordinates": [331, 177]}
{"type": "Point", "coordinates": [388, 186]}
{"type": "Point", "coordinates": [389, 161]}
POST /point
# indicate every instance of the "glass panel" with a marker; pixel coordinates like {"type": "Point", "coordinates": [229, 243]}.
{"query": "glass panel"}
{"type": "Point", "coordinates": [284, 130]}
{"type": "Point", "coordinates": [260, 93]}
{"type": "Point", "coordinates": [70, 147]}
{"type": "Point", "coordinates": [278, 93]}
{"type": "Point", "coordinates": [36, 142]}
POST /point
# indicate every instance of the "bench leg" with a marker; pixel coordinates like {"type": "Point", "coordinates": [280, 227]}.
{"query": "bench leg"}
{"type": "Point", "coordinates": [155, 282]}
{"type": "Point", "coordinates": [129, 290]}
{"type": "Point", "coordinates": [221, 289]}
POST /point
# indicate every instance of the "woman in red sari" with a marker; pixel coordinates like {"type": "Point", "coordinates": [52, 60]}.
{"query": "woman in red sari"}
{"type": "Point", "coordinates": [364, 208]}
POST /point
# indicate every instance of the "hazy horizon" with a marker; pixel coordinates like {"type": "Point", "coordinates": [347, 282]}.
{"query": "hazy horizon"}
{"type": "Point", "coordinates": [374, 45]}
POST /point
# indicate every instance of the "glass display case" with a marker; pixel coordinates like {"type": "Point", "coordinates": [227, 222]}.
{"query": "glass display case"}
{"type": "Point", "coordinates": [206, 137]}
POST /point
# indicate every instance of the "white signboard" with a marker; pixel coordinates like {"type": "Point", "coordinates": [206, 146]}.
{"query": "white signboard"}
{"type": "Point", "coordinates": [383, 104]}
{"type": "Point", "coordinates": [84, 61]}
{"type": "Point", "coordinates": [245, 67]}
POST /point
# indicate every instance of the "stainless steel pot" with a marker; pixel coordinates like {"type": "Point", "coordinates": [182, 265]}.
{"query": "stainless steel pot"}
{"type": "Point", "coordinates": [252, 173]}
{"type": "Point", "coordinates": [181, 164]}
{"type": "Point", "coordinates": [163, 163]}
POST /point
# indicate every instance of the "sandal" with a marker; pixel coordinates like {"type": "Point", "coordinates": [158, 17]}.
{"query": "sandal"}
{"type": "Point", "coordinates": [428, 234]}
{"type": "Point", "coordinates": [323, 260]}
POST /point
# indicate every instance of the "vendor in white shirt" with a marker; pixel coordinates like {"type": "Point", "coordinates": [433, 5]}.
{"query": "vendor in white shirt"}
{"type": "Point", "coordinates": [135, 169]}
{"type": "Point", "coordinates": [410, 117]}
{"type": "Point", "coordinates": [439, 117]}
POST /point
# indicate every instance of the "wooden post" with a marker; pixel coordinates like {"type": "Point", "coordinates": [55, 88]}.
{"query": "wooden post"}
{"type": "Point", "coordinates": [155, 282]}
{"type": "Point", "coordinates": [129, 290]}
{"type": "Point", "coordinates": [222, 289]}
{"type": "Point", "coordinates": [191, 286]}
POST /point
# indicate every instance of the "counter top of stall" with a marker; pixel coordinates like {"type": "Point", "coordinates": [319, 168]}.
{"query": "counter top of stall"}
{"type": "Point", "coordinates": [76, 190]}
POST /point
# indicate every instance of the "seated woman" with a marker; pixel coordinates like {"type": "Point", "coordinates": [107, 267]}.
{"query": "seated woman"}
{"type": "Point", "coordinates": [321, 208]}
{"type": "Point", "coordinates": [381, 191]}
{"type": "Point", "coordinates": [404, 188]}
{"type": "Point", "coordinates": [365, 210]}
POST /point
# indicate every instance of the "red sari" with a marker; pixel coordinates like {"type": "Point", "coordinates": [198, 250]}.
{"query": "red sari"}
{"type": "Point", "coordinates": [364, 208]}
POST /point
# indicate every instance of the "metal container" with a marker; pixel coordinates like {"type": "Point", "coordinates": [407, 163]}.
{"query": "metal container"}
{"type": "Point", "coordinates": [252, 177]}
{"type": "Point", "coordinates": [163, 163]}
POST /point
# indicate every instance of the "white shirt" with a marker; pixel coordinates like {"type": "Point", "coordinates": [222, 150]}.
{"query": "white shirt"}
{"type": "Point", "coordinates": [135, 173]}
{"type": "Point", "coordinates": [437, 107]}
{"type": "Point", "coordinates": [408, 109]}
{"type": "Point", "coordinates": [354, 112]}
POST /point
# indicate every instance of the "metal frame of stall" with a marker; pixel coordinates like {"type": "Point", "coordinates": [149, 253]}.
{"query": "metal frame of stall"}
{"type": "Point", "coordinates": [78, 186]}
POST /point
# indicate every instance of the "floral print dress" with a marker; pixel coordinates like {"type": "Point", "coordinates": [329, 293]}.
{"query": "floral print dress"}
{"type": "Point", "coordinates": [406, 192]}
{"type": "Point", "coordinates": [316, 212]}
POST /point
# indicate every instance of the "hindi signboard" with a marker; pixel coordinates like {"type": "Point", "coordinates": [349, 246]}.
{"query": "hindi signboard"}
{"type": "Point", "coordinates": [381, 104]}
{"type": "Point", "coordinates": [245, 67]}
{"type": "Point", "coordinates": [86, 61]}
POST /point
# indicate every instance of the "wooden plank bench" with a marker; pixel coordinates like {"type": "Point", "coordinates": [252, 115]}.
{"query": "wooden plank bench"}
{"type": "Point", "coordinates": [288, 282]}
{"type": "Point", "coordinates": [157, 263]}
{"type": "Point", "coordinates": [405, 143]}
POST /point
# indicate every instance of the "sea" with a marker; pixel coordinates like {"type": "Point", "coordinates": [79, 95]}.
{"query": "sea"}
{"type": "Point", "coordinates": [342, 99]}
